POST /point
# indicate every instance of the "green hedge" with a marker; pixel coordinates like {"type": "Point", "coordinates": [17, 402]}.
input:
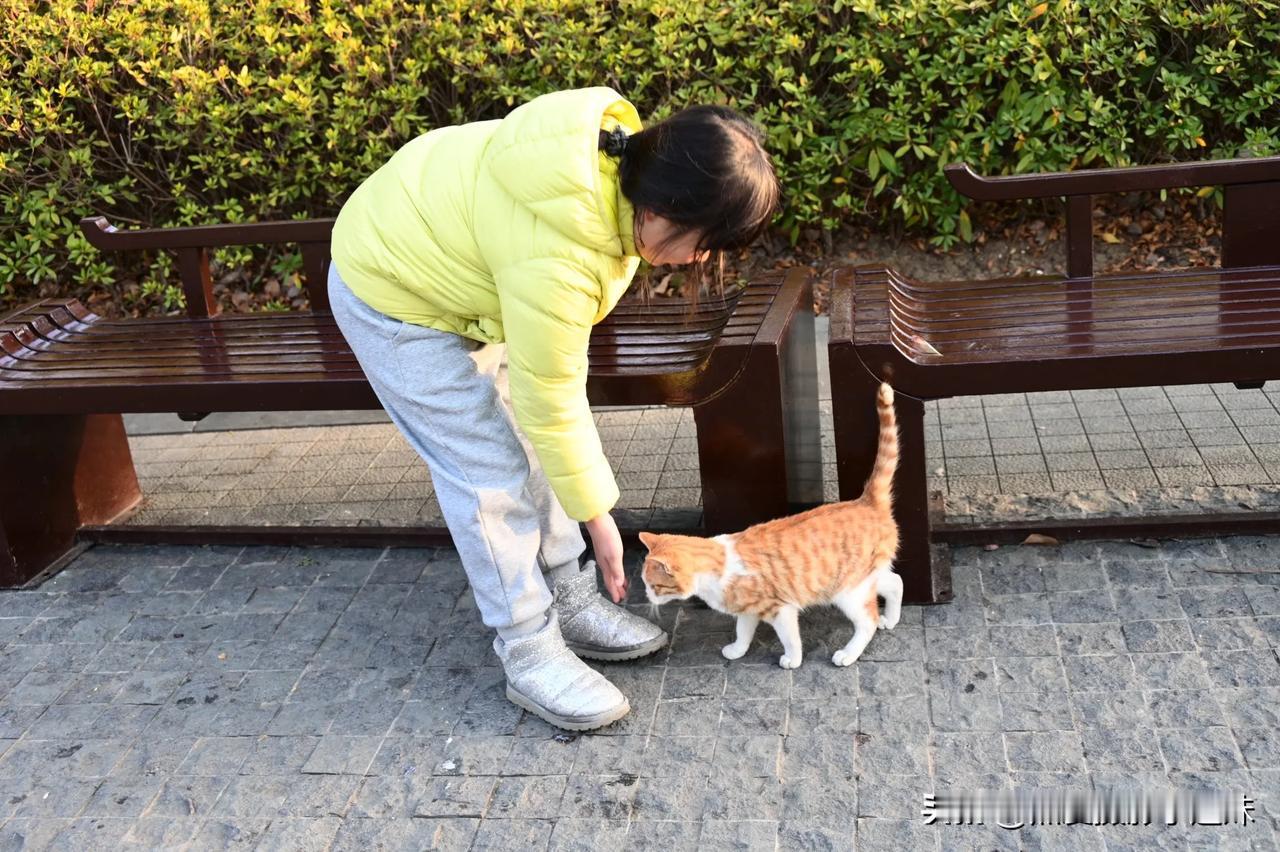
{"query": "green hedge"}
{"type": "Point", "coordinates": [178, 111]}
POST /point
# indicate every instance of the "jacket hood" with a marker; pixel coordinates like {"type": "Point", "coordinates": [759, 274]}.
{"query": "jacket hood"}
{"type": "Point", "coordinates": [545, 155]}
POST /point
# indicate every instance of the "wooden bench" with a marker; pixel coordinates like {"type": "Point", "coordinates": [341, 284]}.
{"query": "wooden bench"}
{"type": "Point", "coordinates": [746, 364]}
{"type": "Point", "coordinates": [941, 339]}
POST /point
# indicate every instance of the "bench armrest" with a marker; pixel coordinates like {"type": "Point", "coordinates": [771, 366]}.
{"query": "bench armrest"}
{"type": "Point", "coordinates": [192, 246]}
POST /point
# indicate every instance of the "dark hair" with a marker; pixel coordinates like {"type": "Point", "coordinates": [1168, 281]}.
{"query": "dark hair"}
{"type": "Point", "coordinates": [706, 170]}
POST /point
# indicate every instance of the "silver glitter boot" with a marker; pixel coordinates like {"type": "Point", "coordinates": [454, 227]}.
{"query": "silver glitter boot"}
{"type": "Point", "coordinates": [545, 678]}
{"type": "Point", "coordinates": [597, 629]}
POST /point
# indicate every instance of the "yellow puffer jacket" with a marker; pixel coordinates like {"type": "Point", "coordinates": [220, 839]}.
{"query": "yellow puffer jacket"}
{"type": "Point", "coordinates": [512, 230]}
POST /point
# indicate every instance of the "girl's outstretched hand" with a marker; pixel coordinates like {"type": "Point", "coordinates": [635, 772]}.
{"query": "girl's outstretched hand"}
{"type": "Point", "coordinates": [606, 542]}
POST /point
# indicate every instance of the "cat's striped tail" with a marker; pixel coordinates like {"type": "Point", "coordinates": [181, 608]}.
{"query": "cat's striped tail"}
{"type": "Point", "coordinates": [879, 489]}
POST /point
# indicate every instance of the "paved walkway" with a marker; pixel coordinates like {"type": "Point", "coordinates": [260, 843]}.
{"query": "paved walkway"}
{"type": "Point", "coordinates": [204, 698]}
{"type": "Point", "coordinates": [1180, 448]}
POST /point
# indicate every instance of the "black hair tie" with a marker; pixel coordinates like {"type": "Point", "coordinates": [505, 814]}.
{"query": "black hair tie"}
{"type": "Point", "coordinates": [614, 142]}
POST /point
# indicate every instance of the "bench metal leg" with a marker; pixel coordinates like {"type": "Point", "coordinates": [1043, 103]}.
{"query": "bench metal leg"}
{"type": "Point", "coordinates": [759, 441]}
{"type": "Point", "coordinates": [925, 578]}
{"type": "Point", "coordinates": [58, 473]}
{"type": "Point", "coordinates": [802, 423]}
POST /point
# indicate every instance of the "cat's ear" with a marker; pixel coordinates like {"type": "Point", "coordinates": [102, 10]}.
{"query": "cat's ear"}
{"type": "Point", "coordinates": [648, 539]}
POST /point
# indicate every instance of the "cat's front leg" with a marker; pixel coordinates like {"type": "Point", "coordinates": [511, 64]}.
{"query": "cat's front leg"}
{"type": "Point", "coordinates": [787, 625]}
{"type": "Point", "coordinates": [746, 629]}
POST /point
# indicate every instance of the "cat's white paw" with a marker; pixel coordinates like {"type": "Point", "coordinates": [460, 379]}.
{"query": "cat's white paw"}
{"type": "Point", "coordinates": [733, 651]}
{"type": "Point", "coordinates": [789, 662]}
{"type": "Point", "coordinates": [843, 657]}
{"type": "Point", "coordinates": [887, 623]}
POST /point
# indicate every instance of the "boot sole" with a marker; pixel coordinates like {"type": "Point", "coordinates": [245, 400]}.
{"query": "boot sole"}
{"type": "Point", "coordinates": [615, 655]}
{"type": "Point", "coordinates": [577, 723]}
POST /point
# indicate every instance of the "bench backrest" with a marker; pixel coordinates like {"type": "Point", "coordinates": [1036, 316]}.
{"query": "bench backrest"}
{"type": "Point", "coordinates": [1251, 201]}
{"type": "Point", "coordinates": [192, 246]}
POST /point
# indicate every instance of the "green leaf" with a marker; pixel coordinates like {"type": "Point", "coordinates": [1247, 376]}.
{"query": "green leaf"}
{"type": "Point", "coordinates": [886, 159]}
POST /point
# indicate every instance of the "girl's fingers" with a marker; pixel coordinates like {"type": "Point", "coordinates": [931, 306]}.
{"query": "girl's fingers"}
{"type": "Point", "coordinates": [617, 583]}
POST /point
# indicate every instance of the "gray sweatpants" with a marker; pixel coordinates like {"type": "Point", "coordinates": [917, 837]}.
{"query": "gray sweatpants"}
{"type": "Point", "coordinates": [446, 395]}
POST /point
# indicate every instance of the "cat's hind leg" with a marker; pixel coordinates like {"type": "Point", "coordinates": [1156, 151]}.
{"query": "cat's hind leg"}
{"type": "Point", "coordinates": [787, 625]}
{"type": "Point", "coordinates": [859, 604]}
{"type": "Point", "coordinates": [889, 587]}
{"type": "Point", "coordinates": [746, 627]}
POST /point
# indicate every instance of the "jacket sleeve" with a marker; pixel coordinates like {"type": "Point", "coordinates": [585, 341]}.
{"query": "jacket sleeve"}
{"type": "Point", "coordinates": [548, 307]}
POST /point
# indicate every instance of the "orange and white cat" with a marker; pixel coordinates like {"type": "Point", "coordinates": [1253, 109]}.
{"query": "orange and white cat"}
{"type": "Point", "coordinates": [840, 553]}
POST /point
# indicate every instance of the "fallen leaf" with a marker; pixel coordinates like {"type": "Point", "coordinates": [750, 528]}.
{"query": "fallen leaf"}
{"type": "Point", "coordinates": [990, 547]}
{"type": "Point", "coordinates": [1108, 237]}
{"type": "Point", "coordinates": [1037, 538]}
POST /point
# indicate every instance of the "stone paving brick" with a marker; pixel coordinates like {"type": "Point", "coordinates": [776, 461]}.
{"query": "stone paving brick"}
{"type": "Point", "coordinates": [1077, 481]}
{"type": "Point", "coordinates": [1240, 474]}
{"type": "Point", "coordinates": [1112, 433]}
{"type": "Point", "coordinates": [1121, 749]}
{"type": "Point", "coordinates": [1023, 640]}
{"type": "Point", "coordinates": [1068, 577]}
{"type": "Point", "coordinates": [1032, 608]}
{"type": "Point", "coordinates": [1170, 671]}
{"type": "Point", "coordinates": [955, 448]}
{"type": "Point", "coordinates": [187, 796]}
{"type": "Point", "coordinates": [1026, 483]}
{"type": "Point", "coordinates": [1158, 636]}
{"type": "Point", "coordinates": [971, 466]}
{"type": "Point", "coordinates": [895, 834]}
{"type": "Point", "coordinates": [960, 485]}
{"type": "Point", "coordinates": [1174, 476]}
{"type": "Point", "coordinates": [1200, 749]}
{"type": "Point", "coordinates": [1076, 607]}
{"type": "Point", "coordinates": [1068, 462]}
{"type": "Point", "coordinates": [512, 835]}
{"type": "Point", "coordinates": [1130, 479]}
{"type": "Point", "coordinates": [1146, 603]}
{"type": "Point", "coordinates": [304, 835]}
{"type": "Point", "coordinates": [163, 833]}
{"type": "Point", "coordinates": [1120, 459]}
{"type": "Point", "coordinates": [1020, 464]}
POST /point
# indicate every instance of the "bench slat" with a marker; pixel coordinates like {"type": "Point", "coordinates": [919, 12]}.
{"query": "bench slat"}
{"type": "Point", "coordinates": [58, 344]}
{"type": "Point", "coordinates": [225, 328]}
{"type": "Point", "coordinates": [1058, 319]}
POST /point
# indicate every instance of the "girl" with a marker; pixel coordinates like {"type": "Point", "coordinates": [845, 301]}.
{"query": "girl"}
{"type": "Point", "coordinates": [524, 232]}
